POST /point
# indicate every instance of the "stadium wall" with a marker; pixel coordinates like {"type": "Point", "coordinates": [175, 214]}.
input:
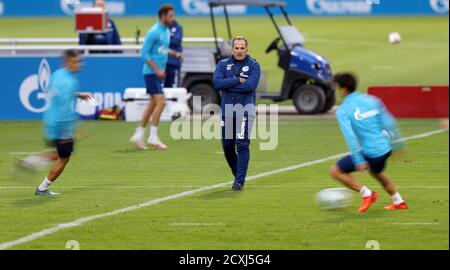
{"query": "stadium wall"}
{"type": "Point", "coordinates": [45, 8]}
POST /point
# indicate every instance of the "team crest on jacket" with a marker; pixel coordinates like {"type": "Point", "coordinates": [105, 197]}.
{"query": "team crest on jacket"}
{"type": "Point", "coordinates": [245, 68]}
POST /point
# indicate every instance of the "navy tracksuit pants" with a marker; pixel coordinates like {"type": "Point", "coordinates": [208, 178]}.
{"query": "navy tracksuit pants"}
{"type": "Point", "coordinates": [236, 144]}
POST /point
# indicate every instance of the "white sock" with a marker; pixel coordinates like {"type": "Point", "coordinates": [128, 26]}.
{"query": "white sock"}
{"type": "Point", "coordinates": [153, 133]}
{"type": "Point", "coordinates": [397, 199]}
{"type": "Point", "coordinates": [45, 184]}
{"type": "Point", "coordinates": [365, 192]}
{"type": "Point", "coordinates": [140, 131]}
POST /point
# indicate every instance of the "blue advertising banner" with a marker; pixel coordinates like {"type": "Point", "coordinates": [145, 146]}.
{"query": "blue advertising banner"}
{"type": "Point", "coordinates": [25, 79]}
{"type": "Point", "coordinates": [200, 7]}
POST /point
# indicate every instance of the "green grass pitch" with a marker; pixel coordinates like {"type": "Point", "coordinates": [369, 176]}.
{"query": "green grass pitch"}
{"type": "Point", "coordinates": [277, 211]}
{"type": "Point", "coordinates": [274, 212]}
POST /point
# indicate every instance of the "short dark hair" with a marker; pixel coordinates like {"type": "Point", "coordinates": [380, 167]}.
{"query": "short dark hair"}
{"type": "Point", "coordinates": [70, 54]}
{"type": "Point", "coordinates": [239, 38]}
{"type": "Point", "coordinates": [164, 9]}
{"type": "Point", "coordinates": [346, 80]}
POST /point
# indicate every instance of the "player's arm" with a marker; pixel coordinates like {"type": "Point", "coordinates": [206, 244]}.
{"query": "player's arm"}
{"type": "Point", "coordinates": [251, 83]}
{"type": "Point", "coordinates": [176, 54]}
{"type": "Point", "coordinates": [176, 41]}
{"type": "Point", "coordinates": [389, 124]}
{"type": "Point", "coordinates": [351, 139]}
{"type": "Point", "coordinates": [219, 80]}
{"type": "Point", "coordinates": [84, 96]}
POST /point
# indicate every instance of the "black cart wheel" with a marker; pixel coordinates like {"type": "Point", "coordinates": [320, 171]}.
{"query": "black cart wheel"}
{"type": "Point", "coordinates": [329, 103]}
{"type": "Point", "coordinates": [309, 99]}
{"type": "Point", "coordinates": [207, 94]}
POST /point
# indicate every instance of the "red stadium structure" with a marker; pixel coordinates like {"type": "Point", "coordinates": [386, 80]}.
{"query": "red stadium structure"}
{"type": "Point", "coordinates": [414, 101]}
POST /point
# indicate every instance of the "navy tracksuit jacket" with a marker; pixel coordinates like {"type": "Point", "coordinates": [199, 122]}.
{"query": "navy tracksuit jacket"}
{"type": "Point", "coordinates": [237, 121]}
{"type": "Point", "coordinates": [174, 64]}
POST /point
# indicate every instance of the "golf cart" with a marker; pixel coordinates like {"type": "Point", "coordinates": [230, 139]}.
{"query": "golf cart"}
{"type": "Point", "coordinates": [307, 75]}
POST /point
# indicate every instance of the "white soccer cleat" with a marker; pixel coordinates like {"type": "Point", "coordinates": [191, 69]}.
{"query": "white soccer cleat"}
{"type": "Point", "coordinates": [155, 142]}
{"type": "Point", "coordinates": [46, 192]}
{"type": "Point", "coordinates": [138, 142]}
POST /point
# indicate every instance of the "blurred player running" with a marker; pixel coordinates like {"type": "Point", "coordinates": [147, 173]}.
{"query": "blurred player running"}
{"type": "Point", "coordinates": [371, 134]}
{"type": "Point", "coordinates": [59, 121]}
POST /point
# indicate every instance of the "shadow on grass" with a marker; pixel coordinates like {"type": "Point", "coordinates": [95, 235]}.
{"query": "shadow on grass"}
{"type": "Point", "coordinates": [222, 193]}
{"type": "Point", "coordinates": [350, 214]}
{"type": "Point", "coordinates": [135, 150]}
{"type": "Point", "coordinates": [33, 201]}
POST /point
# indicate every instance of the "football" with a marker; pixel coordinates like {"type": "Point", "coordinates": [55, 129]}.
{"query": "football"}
{"type": "Point", "coordinates": [395, 37]}
{"type": "Point", "coordinates": [334, 198]}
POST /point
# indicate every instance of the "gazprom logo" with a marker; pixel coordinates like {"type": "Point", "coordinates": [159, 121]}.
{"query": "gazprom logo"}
{"type": "Point", "coordinates": [363, 115]}
{"type": "Point", "coordinates": [340, 7]}
{"type": "Point", "coordinates": [34, 88]}
{"type": "Point", "coordinates": [2, 8]}
{"type": "Point", "coordinates": [201, 7]}
{"type": "Point", "coordinates": [439, 6]}
{"type": "Point", "coordinates": [373, 2]}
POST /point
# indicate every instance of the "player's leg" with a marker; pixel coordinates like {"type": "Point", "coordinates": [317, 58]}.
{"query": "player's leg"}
{"type": "Point", "coordinates": [38, 161]}
{"type": "Point", "coordinates": [243, 129]}
{"type": "Point", "coordinates": [138, 136]}
{"type": "Point", "coordinates": [341, 172]}
{"type": "Point", "coordinates": [229, 143]}
{"type": "Point", "coordinates": [169, 80]}
{"type": "Point", "coordinates": [57, 169]}
{"type": "Point", "coordinates": [64, 151]}
{"type": "Point", "coordinates": [160, 103]}
{"type": "Point", "coordinates": [49, 154]}
{"type": "Point", "coordinates": [377, 166]}
{"type": "Point", "coordinates": [345, 178]}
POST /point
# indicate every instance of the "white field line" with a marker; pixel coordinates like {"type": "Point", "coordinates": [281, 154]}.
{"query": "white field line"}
{"type": "Point", "coordinates": [196, 224]}
{"type": "Point", "coordinates": [81, 221]}
{"type": "Point", "coordinates": [198, 186]}
{"type": "Point", "coordinates": [413, 223]}
{"type": "Point", "coordinates": [22, 153]}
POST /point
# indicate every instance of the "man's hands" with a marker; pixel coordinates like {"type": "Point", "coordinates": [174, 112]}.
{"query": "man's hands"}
{"type": "Point", "coordinates": [160, 73]}
{"type": "Point", "coordinates": [85, 96]}
{"type": "Point", "coordinates": [176, 54]}
{"type": "Point", "coordinates": [242, 80]}
{"type": "Point", "coordinates": [180, 56]}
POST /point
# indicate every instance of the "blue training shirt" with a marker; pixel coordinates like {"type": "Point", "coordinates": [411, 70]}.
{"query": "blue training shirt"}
{"type": "Point", "coordinates": [61, 93]}
{"type": "Point", "coordinates": [156, 47]}
{"type": "Point", "coordinates": [368, 127]}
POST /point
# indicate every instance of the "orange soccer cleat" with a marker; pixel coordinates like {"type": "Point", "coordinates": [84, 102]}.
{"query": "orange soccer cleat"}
{"type": "Point", "coordinates": [402, 206]}
{"type": "Point", "coordinates": [368, 201]}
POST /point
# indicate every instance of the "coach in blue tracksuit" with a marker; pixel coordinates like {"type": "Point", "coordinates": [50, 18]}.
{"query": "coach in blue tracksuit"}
{"type": "Point", "coordinates": [237, 77]}
{"type": "Point", "coordinates": [371, 134]}
{"type": "Point", "coordinates": [174, 63]}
